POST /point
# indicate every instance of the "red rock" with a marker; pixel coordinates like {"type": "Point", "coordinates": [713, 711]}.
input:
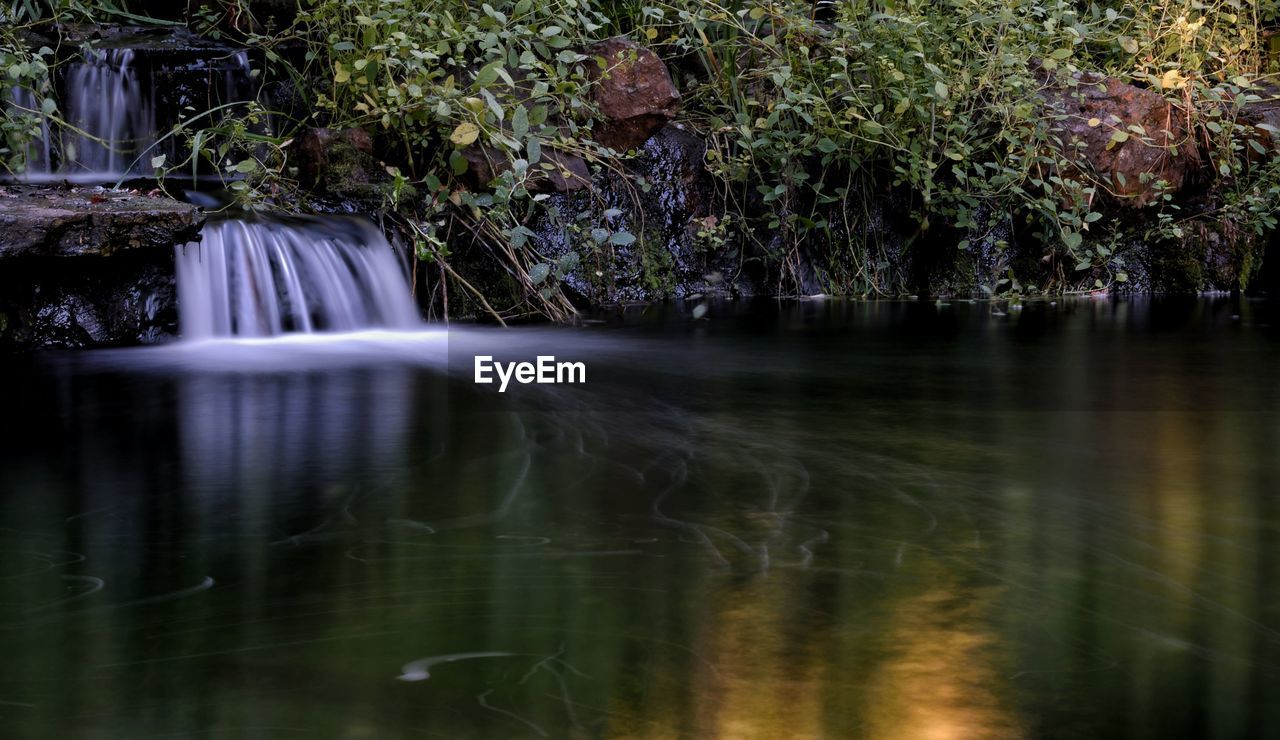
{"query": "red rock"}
{"type": "Point", "coordinates": [1166, 152]}
{"type": "Point", "coordinates": [633, 91]}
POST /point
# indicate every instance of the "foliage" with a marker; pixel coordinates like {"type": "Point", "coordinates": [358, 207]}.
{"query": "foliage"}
{"type": "Point", "coordinates": [824, 122]}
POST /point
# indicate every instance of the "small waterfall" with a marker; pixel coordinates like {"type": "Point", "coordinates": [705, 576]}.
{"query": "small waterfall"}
{"type": "Point", "coordinates": [119, 102]}
{"type": "Point", "coordinates": [263, 278]}
{"type": "Point", "coordinates": [115, 116]}
{"type": "Point", "coordinates": [39, 152]}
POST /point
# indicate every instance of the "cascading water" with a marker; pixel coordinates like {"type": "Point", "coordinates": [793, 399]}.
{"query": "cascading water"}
{"type": "Point", "coordinates": [39, 152]}
{"type": "Point", "coordinates": [263, 278]}
{"type": "Point", "coordinates": [113, 114]}
{"type": "Point", "coordinates": [120, 101]}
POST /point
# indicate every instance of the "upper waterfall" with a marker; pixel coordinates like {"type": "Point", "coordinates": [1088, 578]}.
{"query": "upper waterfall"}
{"type": "Point", "coordinates": [122, 99]}
{"type": "Point", "coordinates": [266, 277]}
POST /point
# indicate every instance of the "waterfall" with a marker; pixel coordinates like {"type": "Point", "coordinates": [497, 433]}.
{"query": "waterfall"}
{"type": "Point", "coordinates": [114, 115]}
{"type": "Point", "coordinates": [119, 102]}
{"type": "Point", "coordinates": [267, 277]}
{"type": "Point", "coordinates": [39, 151]}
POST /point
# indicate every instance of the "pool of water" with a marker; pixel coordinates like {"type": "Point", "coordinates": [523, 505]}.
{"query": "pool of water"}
{"type": "Point", "coordinates": [813, 520]}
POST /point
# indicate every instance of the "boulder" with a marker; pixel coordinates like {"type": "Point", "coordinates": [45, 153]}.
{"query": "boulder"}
{"type": "Point", "coordinates": [557, 172]}
{"type": "Point", "coordinates": [82, 267]}
{"type": "Point", "coordinates": [79, 222]}
{"type": "Point", "coordinates": [633, 92]}
{"type": "Point", "coordinates": [334, 161]}
{"type": "Point", "coordinates": [1261, 122]}
{"type": "Point", "coordinates": [1091, 108]}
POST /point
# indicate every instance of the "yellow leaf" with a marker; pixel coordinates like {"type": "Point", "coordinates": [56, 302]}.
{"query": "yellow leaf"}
{"type": "Point", "coordinates": [465, 134]}
{"type": "Point", "coordinates": [340, 73]}
{"type": "Point", "coordinates": [1172, 80]}
{"type": "Point", "coordinates": [1095, 122]}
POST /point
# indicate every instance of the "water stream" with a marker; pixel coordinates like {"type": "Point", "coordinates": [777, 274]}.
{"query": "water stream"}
{"type": "Point", "coordinates": [253, 278]}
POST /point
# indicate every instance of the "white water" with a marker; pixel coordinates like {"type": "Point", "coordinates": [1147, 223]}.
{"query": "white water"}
{"type": "Point", "coordinates": [106, 101]}
{"type": "Point", "coordinates": [39, 151]}
{"type": "Point", "coordinates": [266, 278]}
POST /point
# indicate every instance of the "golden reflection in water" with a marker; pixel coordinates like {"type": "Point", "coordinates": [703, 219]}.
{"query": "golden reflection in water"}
{"type": "Point", "coordinates": [769, 681]}
{"type": "Point", "coordinates": [937, 680]}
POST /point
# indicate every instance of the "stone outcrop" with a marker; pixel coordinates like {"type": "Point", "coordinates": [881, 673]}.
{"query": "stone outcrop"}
{"type": "Point", "coordinates": [90, 221]}
{"type": "Point", "coordinates": [1127, 137]}
{"type": "Point", "coordinates": [334, 161]}
{"type": "Point", "coordinates": [556, 172]}
{"type": "Point", "coordinates": [87, 267]}
{"type": "Point", "coordinates": [633, 92]}
{"type": "Point", "coordinates": [1261, 122]}
{"type": "Point", "coordinates": [668, 257]}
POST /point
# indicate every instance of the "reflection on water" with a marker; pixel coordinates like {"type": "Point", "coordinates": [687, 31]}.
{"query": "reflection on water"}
{"type": "Point", "coordinates": [823, 520]}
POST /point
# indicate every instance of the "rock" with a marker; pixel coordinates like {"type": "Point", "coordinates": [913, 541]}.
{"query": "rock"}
{"type": "Point", "coordinates": [668, 258]}
{"type": "Point", "coordinates": [1261, 119]}
{"type": "Point", "coordinates": [566, 172]}
{"type": "Point", "coordinates": [123, 300]}
{"type": "Point", "coordinates": [634, 93]}
{"type": "Point", "coordinates": [334, 161]}
{"type": "Point", "coordinates": [1167, 153]}
{"type": "Point", "coordinates": [90, 221]}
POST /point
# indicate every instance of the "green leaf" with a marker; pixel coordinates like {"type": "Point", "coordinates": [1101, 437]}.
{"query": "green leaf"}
{"type": "Point", "coordinates": [457, 162]}
{"type": "Point", "coordinates": [622, 238]}
{"type": "Point", "coordinates": [539, 273]}
{"type": "Point", "coordinates": [488, 74]}
{"type": "Point", "coordinates": [826, 146]}
{"type": "Point", "coordinates": [520, 122]}
{"type": "Point", "coordinates": [157, 162]}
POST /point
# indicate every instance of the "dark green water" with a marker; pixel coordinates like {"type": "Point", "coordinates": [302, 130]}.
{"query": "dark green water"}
{"type": "Point", "coordinates": [809, 521]}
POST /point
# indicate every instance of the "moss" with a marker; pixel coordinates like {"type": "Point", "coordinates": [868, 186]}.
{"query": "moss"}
{"type": "Point", "coordinates": [657, 266]}
{"type": "Point", "coordinates": [1177, 267]}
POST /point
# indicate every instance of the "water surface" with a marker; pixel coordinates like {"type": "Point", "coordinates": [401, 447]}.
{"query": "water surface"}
{"type": "Point", "coordinates": [885, 520]}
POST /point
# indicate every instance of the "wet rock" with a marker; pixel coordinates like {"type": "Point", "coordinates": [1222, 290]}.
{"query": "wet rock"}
{"type": "Point", "coordinates": [557, 172]}
{"type": "Point", "coordinates": [90, 221]}
{"type": "Point", "coordinates": [1130, 167]}
{"type": "Point", "coordinates": [334, 161]}
{"type": "Point", "coordinates": [340, 169]}
{"type": "Point", "coordinates": [667, 201]}
{"type": "Point", "coordinates": [633, 91]}
{"type": "Point", "coordinates": [1213, 256]}
{"type": "Point", "coordinates": [122, 300]}
{"type": "Point", "coordinates": [1260, 120]}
